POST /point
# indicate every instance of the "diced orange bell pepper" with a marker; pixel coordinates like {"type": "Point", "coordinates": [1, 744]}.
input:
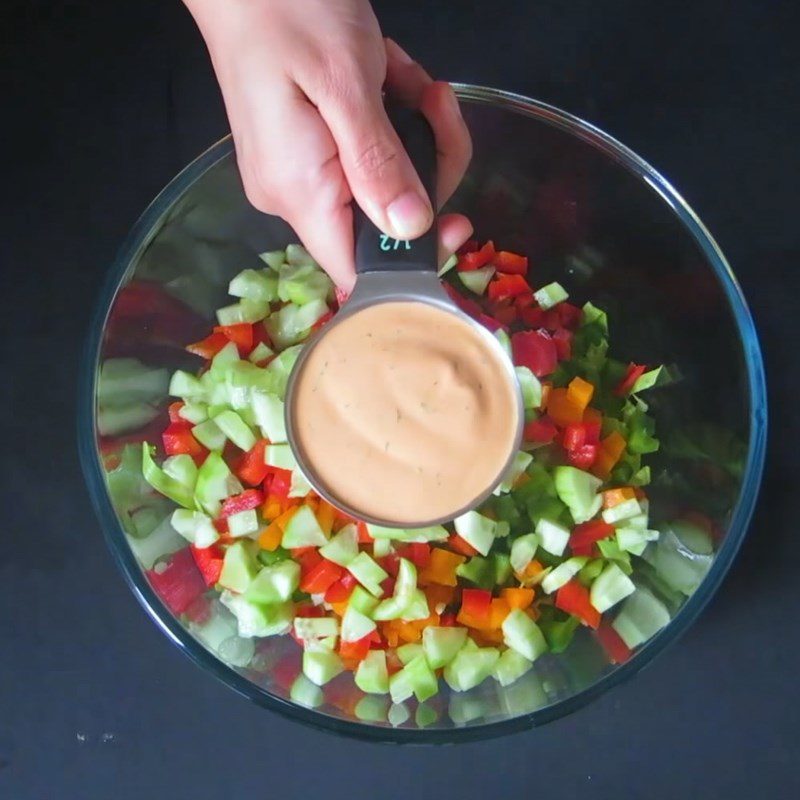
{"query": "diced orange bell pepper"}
{"type": "Point", "coordinates": [580, 392]}
{"type": "Point", "coordinates": [610, 451]}
{"type": "Point", "coordinates": [518, 597]}
{"type": "Point", "coordinates": [326, 513]}
{"type": "Point", "coordinates": [339, 608]}
{"type": "Point", "coordinates": [441, 568]}
{"type": "Point", "coordinates": [547, 387]}
{"type": "Point", "coordinates": [531, 571]}
{"type": "Point", "coordinates": [389, 633]}
{"type": "Point", "coordinates": [592, 415]}
{"type": "Point", "coordinates": [613, 497]}
{"type": "Point", "coordinates": [407, 631]}
{"type": "Point", "coordinates": [563, 409]}
{"type": "Point", "coordinates": [439, 595]}
{"type": "Point", "coordinates": [487, 638]}
{"type": "Point", "coordinates": [499, 610]}
{"type": "Point", "coordinates": [283, 520]}
{"type": "Point", "coordinates": [271, 509]}
{"type": "Point", "coordinates": [270, 537]}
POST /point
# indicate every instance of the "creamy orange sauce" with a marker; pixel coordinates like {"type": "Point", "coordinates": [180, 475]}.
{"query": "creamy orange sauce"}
{"type": "Point", "coordinates": [404, 413]}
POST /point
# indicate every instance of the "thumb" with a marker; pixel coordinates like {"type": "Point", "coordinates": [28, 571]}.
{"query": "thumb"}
{"type": "Point", "coordinates": [377, 168]}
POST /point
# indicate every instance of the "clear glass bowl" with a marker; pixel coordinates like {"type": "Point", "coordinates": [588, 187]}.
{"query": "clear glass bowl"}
{"type": "Point", "coordinates": [590, 213]}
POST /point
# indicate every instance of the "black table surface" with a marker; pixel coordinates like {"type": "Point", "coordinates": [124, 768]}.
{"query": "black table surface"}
{"type": "Point", "coordinates": [104, 103]}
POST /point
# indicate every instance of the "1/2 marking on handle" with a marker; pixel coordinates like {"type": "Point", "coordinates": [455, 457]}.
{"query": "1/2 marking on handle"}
{"type": "Point", "coordinates": [388, 243]}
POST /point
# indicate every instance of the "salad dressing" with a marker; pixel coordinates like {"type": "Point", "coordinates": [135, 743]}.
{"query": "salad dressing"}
{"type": "Point", "coordinates": [405, 413]}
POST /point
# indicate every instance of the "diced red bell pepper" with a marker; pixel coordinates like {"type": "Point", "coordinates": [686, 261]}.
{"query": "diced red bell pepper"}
{"type": "Point", "coordinates": [418, 553]}
{"type": "Point", "coordinates": [363, 533]}
{"type": "Point", "coordinates": [616, 650]}
{"type": "Point", "coordinates": [504, 312]}
{"type": "Point", "coordinates": [491, 323]}
{"type": "Point", "coordinates": [320, 578]}
{"type": "Point", "coordinates": [322, 321]}
{"type": "Point", "coordinates": [241, 334]}
{"type": "Point", "coordinates": [221, 525]}
{"type": "Point", "coordinates": [280, 482]}
{"type": "Point", "coordinates": [573, 597]}
{"type": "Point", "coordinates": [470, 246]}
{"type": "Point", "coordinates": [574, 436]}
{"type": "Point", "coordinates": [476, 259]}
{"type": "Point", "coordinates": [503, 287]}
{"type": "Point", "coordinates": [533, 317]}
{"type": "Point", "coordinates": [209, 562]}
{"type": "Point", "coordinates": [247, 500]}
{"type": "Point", "coordinates": [466, 304]}
{"type": "Point", "coordinates": [523, 301]}
{"type": "Point", "coordinates": [180, 583]}
{"type": "Point", "coordinates": [448, 620]}
{"type": "Point", "coordinates": [476, 602]}
{"type": "Point", "coordinates": [569, 315]}
{"type": "Point", "coordinates": [552, 321]}
{"type": "Point", "coordinates": [387, 586]}
{"type": "Point", "coordinates": [542, 430]}
{"type": "Point", "coordinates": [252, 469]}
{"type": "Point", "coordinates": [635, 371]}
{"type": "Point", "coordinates": [583, 457]}
{"type": "Point", "coordinates": [178, 440]}
{"type": "Point", "coordinates": [583, 536]}
{"type": "Point", "coordinates": [535, 350]}
{"type": "Point", "coordinates": [207, 348]}
{"type": "Point", "coordinates": [341, 590]}
{"type": "Point", "coordinates": [563, 341]}
{"type": "Point", "coordinates": [357, 650]}
{"type": "Point", "coordinates": [391, 563]}
{"type": "Point", "coordinates": [461, 546]}
{"type": "Point", "coordinates": [510, 263]}
{"type": "Point", "coordinates": [306, 611]}
{"type": "Point", "coordinates": [174, 412]}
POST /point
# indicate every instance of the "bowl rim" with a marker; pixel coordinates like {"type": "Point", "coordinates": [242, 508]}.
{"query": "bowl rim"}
{"type": "Point", "coordinates": [140, 236]}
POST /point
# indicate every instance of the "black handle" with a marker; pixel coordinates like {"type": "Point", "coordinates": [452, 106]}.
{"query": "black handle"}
{"type": "Point", "coordinates": [377, 252]}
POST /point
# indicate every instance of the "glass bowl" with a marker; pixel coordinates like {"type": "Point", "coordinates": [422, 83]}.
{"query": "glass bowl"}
{"type": "Point", "coordinates": [591, 214]}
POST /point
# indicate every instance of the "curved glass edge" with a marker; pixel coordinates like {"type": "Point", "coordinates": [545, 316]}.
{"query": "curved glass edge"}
{"type": "Point", "coordinates": [740, 519]}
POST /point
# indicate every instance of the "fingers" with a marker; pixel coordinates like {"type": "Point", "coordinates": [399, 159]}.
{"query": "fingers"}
{"type": "Point", "coordinates": [299, 178]}
{"type": "Point", "coordinates": [454, 230]}
{"type": "Point", "coordinates": [453, 142]}
{"type": "Point", "coordinates": [378, 170]}
{"type": "Point", "coordinates": [408, 81]}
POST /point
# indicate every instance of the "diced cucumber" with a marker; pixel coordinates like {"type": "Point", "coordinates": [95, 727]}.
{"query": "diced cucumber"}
{"type": "Point", "coordinates": [303, 283]}
{"type": "Point", "coordinates": [372, 675]}
{"type": "Point", "coordinates": [441, 644]}
{"type": "Point", "coordinates": [355, 625]}
{"type": "Point", "coordinates": [243, 311]}
{"type": "Point", "coordinates": [476, 530]}
{"type": "Point", "coordinates": [195, 527]}
{"type": "Point", "coordinates": [321, 666]}
{"type": "Point", "coordinates": [677, 561]}
{"type": "Point", "coordinates": [255, 619]}
{"type": "Point", "coordinates": [382, 548]}
{"type": "Point", "coordinates": [300, 486]}
{"type": "Point", "coordinates": [550, 295]}
{"type": "Point", "coordinates": [361, 600]}
{"type": "Point", "coordinates": [274, 258]}
{"type": "Point", "coordinates": [274, 584]}
{"type": "Point", "coordinates": [297, 254]}
{"type": "Point", "coordinates": [243, 523]}
{"type": "Point", "coordinates": [259, 285]}
{"type": "Point", "coordinates": [209, 435]}
{"type": "Point", "coordinates": [622, 511]}
{"type": "Point", "coordinates": [212, 483]}
{"type": "Point", "coordinates": [260, 353]}
{"type": "Point", "coordinates": [520, 463]}
{"type": "Point", "coordinates": [186, 386]}
{"type": "Point", "coordinates": [530, 386]}
{"type": "Point", "coordinates": [421, 678]}
{"type": "Point", "coordinates": [523, 550]}
{"type": "Point", "coordinates": [163, 483]}
{"type": "Point", "coordinates": [641, 617]}
{"type": "Point", "coordinates": [522, 634]}
{"type": "Point", "coordinates": [194, 412]}
{"type": "Point", "coordinates": [476, 280]}
{"type": "Point", "coordinates": [343, 547]}
{"type": "Point", "coordinates": [303, 530]}
{"type": "Point", "coordinates": [306, 693]}
{"type": "Point", "coordinates": [239, 568]}
{"type": "Point", "coordinates": [609, 587]}
{"type": "Point", "coordinates": [563, 573]}
{"type": "Point", "coordinates": [268, 411]}
{"type": "Point", "coordinates": [365, 570]}
{"type": "Point", "coordinates": [315, 629]}
{"type": "Point", "coordinates": [578, 490]}
{"type": "Point", "coordinates": [435, 533]}
{"type": "Point", "coordinates": [290, 324]}
{"type": "Point", "coordinates": [470, 667]}
{"type": "Point", "coordinates": [223, 360]}
{"type": "Point", "coordinates": [416, 608]}
{"type": "Point", "coordinates": [235, 428]}
{"type": "Point", "coordinates": [510, 667]}
{"type": "Point", "coordinates": [448, 265]}
{"type": "Point", "coordinates": [505, 341]}
{"type": "Point", "coordinates": [634, 540]}
{"type": "Point", "coordinates": [408, 652]}
{"type": "Point", "coordinates": [552, 536]}
{"type": "Point", "coordinates": [182, 468]}
{"type": "Point", "coordinates": [280, 456]}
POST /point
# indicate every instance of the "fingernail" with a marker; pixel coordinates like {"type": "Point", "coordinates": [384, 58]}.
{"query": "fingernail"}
{"type": "Point", "coordinates": [409, 215]}
{"type": "Point", "coordinates": [399, 53]}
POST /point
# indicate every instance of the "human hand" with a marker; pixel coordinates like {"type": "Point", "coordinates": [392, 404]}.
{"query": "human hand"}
{"type": "Point", "coordinates": [302, 82]}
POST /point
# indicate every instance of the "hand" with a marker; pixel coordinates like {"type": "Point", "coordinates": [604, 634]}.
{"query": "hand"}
{"type": "Point", "coordinates": [302, 82]}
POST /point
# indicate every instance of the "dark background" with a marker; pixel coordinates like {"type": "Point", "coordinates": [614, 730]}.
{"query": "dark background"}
{"type": "Point", "coordinates": [104, 103]}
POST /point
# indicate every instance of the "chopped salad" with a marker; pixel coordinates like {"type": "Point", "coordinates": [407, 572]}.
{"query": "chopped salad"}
{"type": "Point", "coordinates": [565, 541]}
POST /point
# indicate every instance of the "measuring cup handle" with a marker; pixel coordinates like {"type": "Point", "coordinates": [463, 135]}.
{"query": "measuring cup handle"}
{"type": "Point", "coordinates": [377, 252]}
